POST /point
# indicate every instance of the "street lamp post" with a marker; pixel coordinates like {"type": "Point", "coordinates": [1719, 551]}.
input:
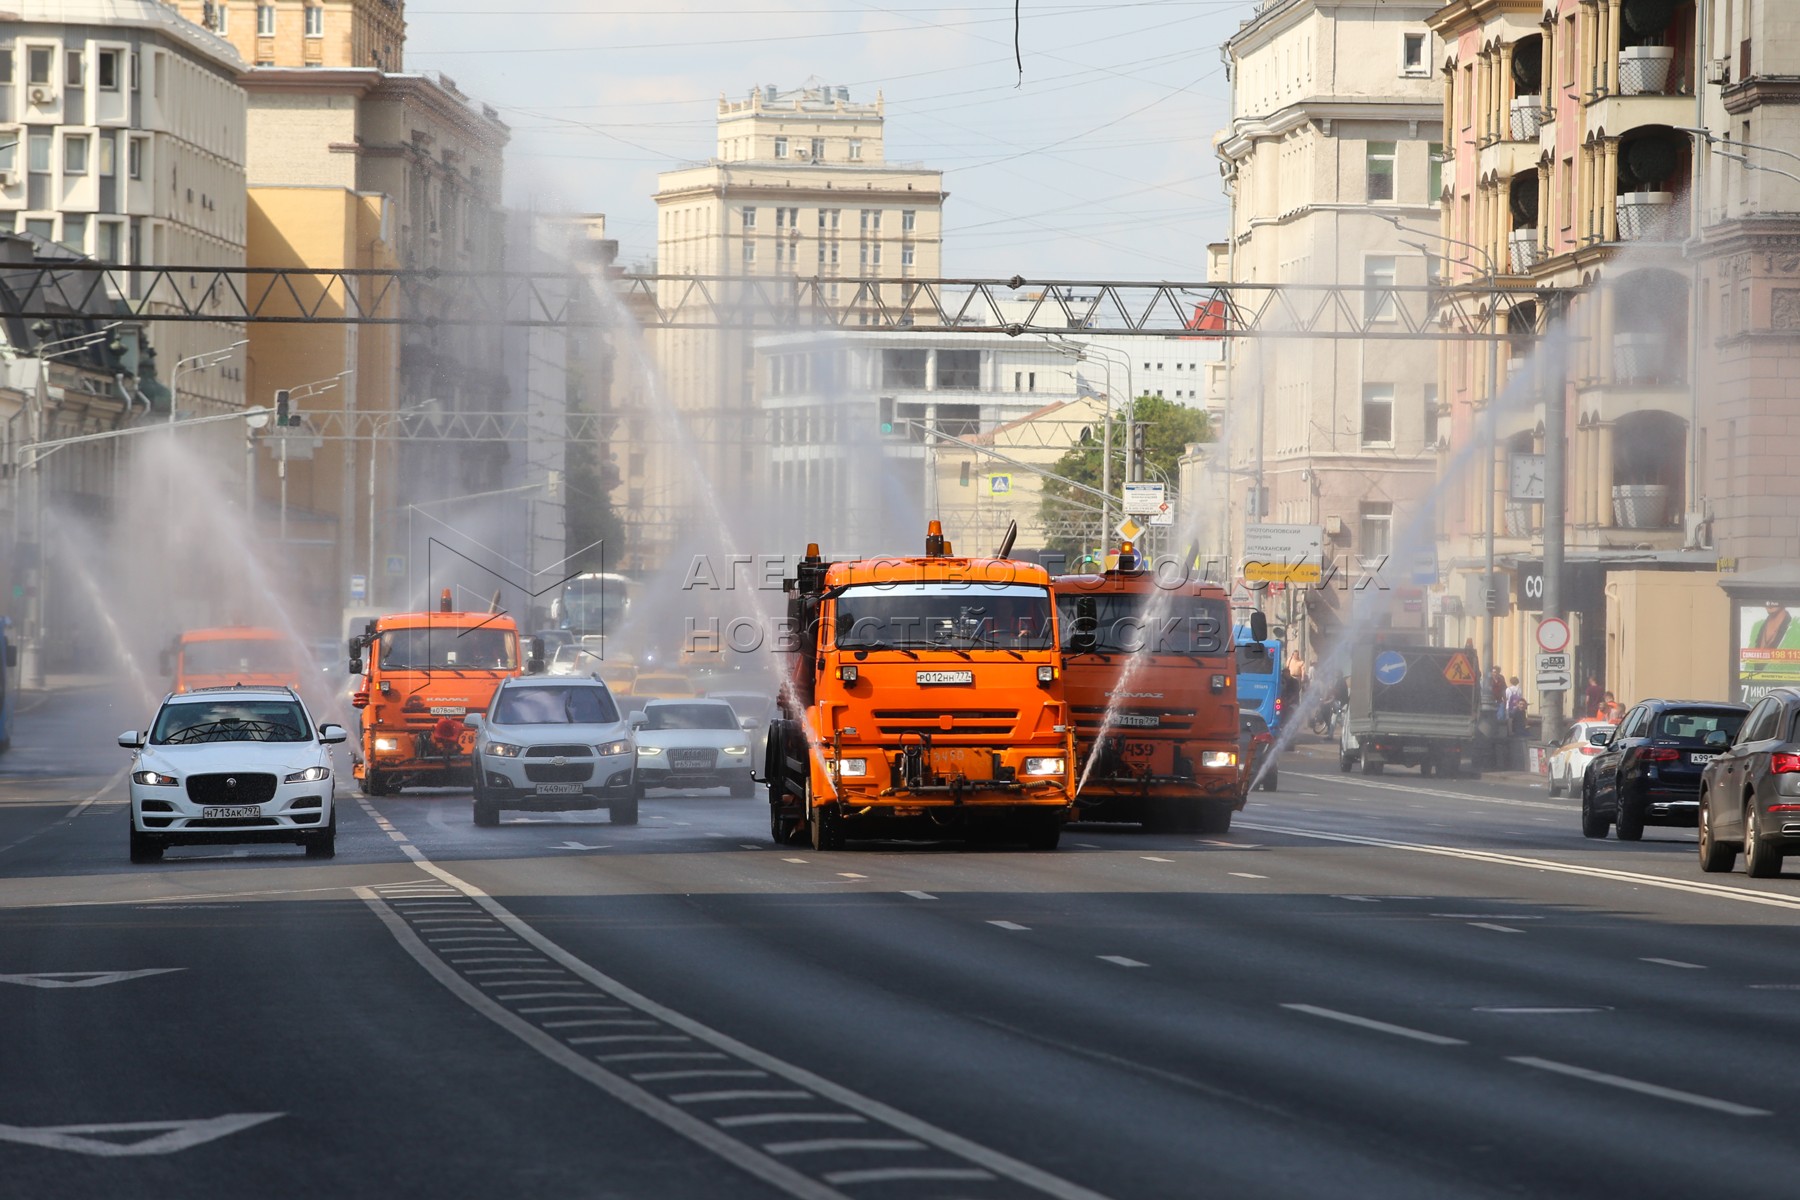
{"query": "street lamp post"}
{"type": "Point", "coordinates": [305, 390]}
{"type": "Point", "coordinates": [190, 364]}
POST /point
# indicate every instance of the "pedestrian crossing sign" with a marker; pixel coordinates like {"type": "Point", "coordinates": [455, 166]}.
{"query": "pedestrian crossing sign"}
{"type": "Point", "coordinates": [999, 485]}
{"type": "Point", "coordinates": [1459, 670]}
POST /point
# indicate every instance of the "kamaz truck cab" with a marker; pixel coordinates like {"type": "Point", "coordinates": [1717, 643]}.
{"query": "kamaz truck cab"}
{"type": "Point", "coordinates": [922, 696]}
{"type": "Point", "coordinates": [1151, 680]}
{"type": "Point", "coordinates": [425, 672]}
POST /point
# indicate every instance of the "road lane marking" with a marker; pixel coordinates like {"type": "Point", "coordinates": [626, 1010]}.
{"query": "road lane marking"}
{"type": "Point", "coordinates": [1153, 858]}
{"type": "Point", "coordinates": [647, 1055]}
{"type": "Point", "coordinates": [852, 875]}
{"type": "Point", "coordinates": [80, 807]}
{"type": "Point", "coordinates": [902, 1174]}
{"type": "Point", "coordinates": [1742, 895]}
{"type": "Point", "coordinates": [1445, 795]}
{"type": "Point", "coordinates": [83, 979]}
{"type": "Point", "coordinates": [1417, 1035]}
{"type": "Point", "coordinates": [167, 1136]}
{"type": "Point", "coordinates": [1674, 962]}
{"type": "Point", "coordinates": [1119, 960]}
{"type": "Point", "coordinates": [474, 962]}
{"type": "Point", "coordinates": [737, 1094]}
{"type": "Point", "coordinates": [749, 846]}
{"type": "Point", "coordinates": [794, 860]}
{"type": "Point", "coordinates": [830, 1145]}
{"type": "Point", "coordinates": [1359, 899]}
{"type": "Point", "coordinates": [703, 1040]}
{"type": "Point", "coordinates": [1638, 1085]}
{"type": "Point", "coordinates": [1246, 875]}
{"type": "Point", "coordinates": [919, 895]}
{"type": "Point", "coordinates": [697, 1073]}
{"type": "Point", "coordinates": [789, 1118]}
{"type": "Point", "coordinates": [1494, 927]}
{"type": "Point", "coordinates": [518, 971]}
{"type": "Point", "coordinates": [1010, 925]}
{"type": "Point", "coordinates": [1491, 916]}
{"type": "Point", "coordinates": [1522, 1011]}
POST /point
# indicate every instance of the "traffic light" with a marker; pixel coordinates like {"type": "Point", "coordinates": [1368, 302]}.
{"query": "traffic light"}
{"type": "Point", "coordinates": [1139, 434]}
{"type": "Point", "coordinates": [282, 414]}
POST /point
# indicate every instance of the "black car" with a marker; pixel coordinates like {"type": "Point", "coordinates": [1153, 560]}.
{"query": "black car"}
{"type": "Point", "coordinates": [1649, 772]}
{"type": "Point", "coordinates": [1750, 792]}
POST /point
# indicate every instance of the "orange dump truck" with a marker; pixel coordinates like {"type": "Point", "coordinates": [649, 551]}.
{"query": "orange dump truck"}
{"type": "Point", "coordinates": [1150, 676]}
{"type": "Point", "coordinates": [923, 696]}
{"type": "Point", "coordinates": [425, 672]}
{"type": "Point", "coordinates": [232, 654]}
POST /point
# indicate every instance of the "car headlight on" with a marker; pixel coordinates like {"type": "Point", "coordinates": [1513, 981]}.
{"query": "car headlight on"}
{"type": "Point", "coordinates": [736, 750]}
{"type": "Point", "coordinates": [1218, 758]}
{"type": "Point", "coordinates": [1045, 766]}
{"type": "Point", "coordinates": [504, 750]}
{"type": "Point", "coordinates": [606, 749]}
{"type": "Point", "coordinates": [649, 751]}
{"type": "Point", "coordinates": [387, 743]}
{"type": "Point", "coordinates": [153, 779]}
{"type": "Point", "coordinates": [310, 775]}
{"type": "Point", "coordinates": [854, 768]}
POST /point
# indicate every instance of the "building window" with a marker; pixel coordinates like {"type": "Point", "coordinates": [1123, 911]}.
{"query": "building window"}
{"type": "Point", "coordinates": [315, 21]}
{"type": "Point", "coordinates": [110, 242]}
{"type": "Point", "coordinates": [221, 19]}
{"type": "Point", "coordinates": [72, 69]}
{"type": "Point", "coordinates": [1375, 538]}
{"type": "Point", "coordinates": [787, 218]}
{"type": "Point", "coordinates": [75, 154]}
{"type": "Point", "coordinates": [875, 254]}
{"type": "Point", "coordinates": [265, 20]}
{"type": "Point", "coordinates": [107, 150]}
{"type": "Point", "coordinates": [749, 253]}
{"type": "Point", "coordinates": [1431, 416]}
{"type": "Point", "coordinates": [136, 77]}
{"type": "Point", "coordinates": [74, 234]}
{"type": "Point", "coordinates": [871, 220]}
{"type": "Point", "coordinates": [134, 158]}
{"type": "Point", "coordinates": [855, 150]}
{"type": "Point", "coordinates": [37, 152]}
{"type": "Point", "coordinates": [909, 220]}
{"type": "Point", "coordinates": [1378, 283]}
{"type": "Point", "coordinates": [906, 256]}
{"type": "Point", "coordinates": [38, 65]}
{"type": "Point", "coordinates": [106, 70]}
{"type": "Point", "coordinates": [6, 66]}
{"type": "Point", "coordinates": [1378, 414]}
{"type": "Point", "coordinates": [749, 217]}
{"type": "Point", "coordinates": [1381, 170]}
{"type": "Point", "coordinates": [780, 147]}
{"type": "Point", "coordinates": [43, 228]}
{"type": "Point", "coordinates": [818, 149]}
{"type": "Point", "coordinates": [1434, 173]}
{"type": "Point", "coordinates": [829, 217]}
{"type": "Point", "coordinates": [1412, 55]}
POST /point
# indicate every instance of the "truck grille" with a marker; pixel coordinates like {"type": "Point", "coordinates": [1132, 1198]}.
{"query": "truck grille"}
{"type": "Point", "coordinates": [243, 789]}
{"type": "Point", "coordinates": [558, 751]}
{"type": "Point", "coordinates": [973, 721]}
{"type": "Point", "coordinates": [692, 759]}
{"type": "Point", "coordinates": [575, 772]}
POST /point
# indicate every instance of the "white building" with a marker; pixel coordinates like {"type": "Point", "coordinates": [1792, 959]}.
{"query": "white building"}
{"type": "Point", "coordinates": [126, 126]}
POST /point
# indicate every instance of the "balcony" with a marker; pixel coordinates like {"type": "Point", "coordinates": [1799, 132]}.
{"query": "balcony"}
{"type": "Point", "coordinates": [1641, 506]}
{"type": "Point", "coordinates": [1522, 250]}
{"type": "Point", "coordinates": [1646, 70]}
{"type": "Point", "coordinates": [1650, 217]}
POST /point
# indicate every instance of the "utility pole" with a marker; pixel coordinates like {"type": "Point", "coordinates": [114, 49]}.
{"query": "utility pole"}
{"type": "Point", "coordinates": [1556, 416]}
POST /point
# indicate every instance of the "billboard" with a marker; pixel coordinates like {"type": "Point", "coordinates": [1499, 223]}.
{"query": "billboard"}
{"type": "Point", "coordinates": [1768, 652]}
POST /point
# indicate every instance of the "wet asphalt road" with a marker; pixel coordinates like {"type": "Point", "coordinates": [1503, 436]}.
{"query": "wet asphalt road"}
{"type": "Point", "coordinates": [1386, 987]}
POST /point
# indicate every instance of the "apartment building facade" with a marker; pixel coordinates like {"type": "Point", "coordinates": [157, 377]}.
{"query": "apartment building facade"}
{"type": "Point", "coordinates": [799, 188]}
{"type": "Point", "coordinates": [312, 33]}
{"type": "Point", "coordinates": [1331, 165]}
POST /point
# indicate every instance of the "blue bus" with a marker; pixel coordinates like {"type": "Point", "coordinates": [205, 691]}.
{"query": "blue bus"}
{"type": "Point", "coordinates": [1259, 676]}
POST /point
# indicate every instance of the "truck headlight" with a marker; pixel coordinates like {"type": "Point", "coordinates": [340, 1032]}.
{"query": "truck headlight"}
{"type": "Point", "coordinates": [387, 743]}
{"type": "Point", "coordinates": [608, 749]}
{"type": "Point", "coordinates": [310, 775]}
{"type": "Point", "coordinates": [1218, 758]}
{"type": "Point", "coordinates": [1046, 674]}
{"type": "Point", "coordinates": [504, 750]}
{"type": "Point", "coordinates": [153, 779]}
{"type": "Point", "coordinates": [853, 767]}
{"type": "Point", "coordinates": [1045, 766]}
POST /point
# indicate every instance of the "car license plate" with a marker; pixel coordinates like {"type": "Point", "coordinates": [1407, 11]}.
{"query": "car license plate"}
{"type": "Point", "coordinates": [222, 812]}
{"type": "Point", "coordinates": [1139, 721]}
{"type": "Point", "coordinates": [1700, 760]}
{"type": "Point", "coordinates": [559, 789]}
{"type": "Point", "coordinates": [449, 710]}
{"type": "Point", "coordinates": [929, 677]}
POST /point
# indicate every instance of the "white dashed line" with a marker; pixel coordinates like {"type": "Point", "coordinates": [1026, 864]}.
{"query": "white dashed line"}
{"type": "Point", "coordinates": [1246, 875]}
{"type": "Point", "coordinates": [791, 1118]}
{"type": "Point", "coordinates": [794, 860]}
{"type": "Point", "coordinates": [1494, 927]}
{"type": "Point", "coordinates": [1153, 858]}
{"type": "Point", "coordinates": [1647, 1089]}
{"type": "Point", "coordinates": [852, 875]}
{"type": "Point", "coordinates": [1674, 962]}
{"type": "Point", "coordinates": [919, 895]}
{"type": "Point", "coordinates": [1119, 960]}
{"type": "Point", "coordinates": [901, 1174]}
{"type": "Point", "coordinates": [1010, 925]}
{"type": "Point", "coordinates": [828, 1145]}
{"type": "Point", "coordinates": [738, 1094]}
{"type": "Point", "coordinates": [1417, 1035]}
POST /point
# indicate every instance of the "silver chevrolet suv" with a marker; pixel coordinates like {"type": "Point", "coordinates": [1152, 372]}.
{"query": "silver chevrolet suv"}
{"type": "Point", "coordinates": [554, 743]}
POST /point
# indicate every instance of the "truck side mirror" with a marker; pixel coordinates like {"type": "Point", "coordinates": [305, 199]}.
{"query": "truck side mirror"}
{"type": "Point", "coordinates": [356, 666]}
{"type": "Point", "coordinates": [1259, 626]}
{"type": "Point", "coordinates": [535, 664]}
{"type": "Point", "coordinates": [12, 655]}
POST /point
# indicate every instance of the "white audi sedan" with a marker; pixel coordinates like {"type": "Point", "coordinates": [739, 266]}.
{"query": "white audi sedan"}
{"type": "Point", "coordinates": [232, 764]}
{"type": "Point", "coordinates": [692, 744]}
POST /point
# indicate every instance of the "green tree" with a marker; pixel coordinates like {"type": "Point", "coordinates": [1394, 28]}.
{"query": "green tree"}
{"type": "Point", "coordinates": [1169, 428]}
{"type": "Point", "coordinates": [590, 470]}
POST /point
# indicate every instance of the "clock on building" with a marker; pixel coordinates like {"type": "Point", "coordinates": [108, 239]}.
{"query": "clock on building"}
{"type": "Point", "coordinates": [1525, 476]}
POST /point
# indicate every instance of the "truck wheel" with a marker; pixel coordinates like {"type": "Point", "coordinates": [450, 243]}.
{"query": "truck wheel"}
{"type": "Point", "coordinates": [374, 783]}
{"type": "Point", "coordinates": [1426, 767]}
{"type": "Point", "coordinates": [1043, 830]}
{"type": "Point", "coordinates": [1450, 766]}
{"type": "Point", "coordinates": [1346, 760]}
{"type": "Point", "coordinates": [1270, 780]}
{"type": "Point", "coordinates": [1215, 818]}
{"type": "Point", "coordinates": [827, 830]}
{"type": "Point", "coordinates": [1371, 766]}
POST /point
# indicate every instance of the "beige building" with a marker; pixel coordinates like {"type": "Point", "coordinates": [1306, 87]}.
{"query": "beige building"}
{"type": "Point", "coordinates": [307, 33]}
{"type": "Point", "coordinates": [1331, 165]}
{"type": "Point", "coordinates": [799, 188]}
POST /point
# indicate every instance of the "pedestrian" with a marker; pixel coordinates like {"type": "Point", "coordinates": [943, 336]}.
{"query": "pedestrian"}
{"type": "Point", "coordinates": [1514, 708]}
{"type": "Point", "coordinates": [1496, 686]}
{"type": "Point", "coordinates": [1593, 695]}
{"type": "Point", "coordinates": [1610, 709]}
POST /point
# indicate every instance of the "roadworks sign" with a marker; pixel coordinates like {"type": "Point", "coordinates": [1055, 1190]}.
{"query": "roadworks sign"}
{"type": "Point", "coordinates": [1459, 670]}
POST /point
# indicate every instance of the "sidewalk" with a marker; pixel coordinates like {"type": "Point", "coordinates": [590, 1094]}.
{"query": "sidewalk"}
{"type": "Point", "coordinates": [56, 684]}
{"type": "Point", "coordinates": [1320, 755]}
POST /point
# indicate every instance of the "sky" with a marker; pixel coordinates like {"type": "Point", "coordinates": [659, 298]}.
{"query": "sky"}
{"type": "Point", "coordinates": [1096, 164]}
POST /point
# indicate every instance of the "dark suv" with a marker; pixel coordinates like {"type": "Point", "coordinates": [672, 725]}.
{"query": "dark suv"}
{"type": "Point", "coordinates": [1750, 793]}
{"type": "Point", "coordinates": [1649, 773]}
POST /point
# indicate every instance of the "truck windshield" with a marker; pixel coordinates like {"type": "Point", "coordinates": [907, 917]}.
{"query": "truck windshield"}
{"type": "Point", "coordinates": [962, 616]}
{"type": "Point", "coordinates": [240, 656]}
{"type": "Point", "coordinates": [442, 648]}
{"type": "Point", "coordinates": [192, 721]}
{"type": "Point", "coordinates": [1157, 623]}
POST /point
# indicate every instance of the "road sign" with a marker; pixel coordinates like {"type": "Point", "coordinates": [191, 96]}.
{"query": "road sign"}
{"type": "Point", "coordinates": [359, 588]}
{"type": "Point", "coordinates": [1000, 485]}
{"type": "Point", "coordinates": [1165, 517]}
{"type": "Point", "coordinates": [1425, 568]}
{"type": "Point", "coordinates": [1283, 553]}
{"type": "Point", "coordinates": [1129, 530]}
{"type": "Point", "coordinates": [396, 564]}
{"type": "Point", "coordinates": [1390, 667]}
{"type": "Point", "coordinates": [1142, 499]}
{"type": "Point", "coordinates": [1459, 670]}
{"type": "Point", "coordinates": [1553, 635]}
{"type": "Point", "coordinates": [1553, 672]}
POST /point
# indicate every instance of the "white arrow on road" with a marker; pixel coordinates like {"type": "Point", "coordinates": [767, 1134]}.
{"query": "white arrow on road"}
{"type": "Point", "coordinates": [82, 979]}
{"type": "Point", "coordinates": [167, 1136]}
{"type": "Point", "coordinates": [576, 846]}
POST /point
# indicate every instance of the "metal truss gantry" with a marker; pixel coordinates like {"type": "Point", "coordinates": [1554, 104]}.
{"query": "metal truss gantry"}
{"type": "Point", "coordinates": [773, 304]}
